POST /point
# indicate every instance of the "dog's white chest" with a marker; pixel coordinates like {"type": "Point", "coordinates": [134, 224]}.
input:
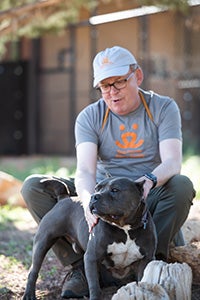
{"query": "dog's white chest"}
{"type": "Point", "coordinates": [124, 254]}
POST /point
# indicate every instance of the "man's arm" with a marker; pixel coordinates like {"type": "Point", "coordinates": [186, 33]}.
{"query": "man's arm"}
{"type": "Point", "coordinates": [171, 160]}
{"type": "Point", "coordinates": [171, 157]}
{"type": "Point", "coordinates": [85, 179]}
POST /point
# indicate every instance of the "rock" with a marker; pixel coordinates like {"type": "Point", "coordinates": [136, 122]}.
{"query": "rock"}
{"type": "Point", "coordinates": [10, 188]}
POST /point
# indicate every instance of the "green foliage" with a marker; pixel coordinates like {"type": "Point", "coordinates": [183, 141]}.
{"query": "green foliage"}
{"type": "Point", "coordinates": [56, 166]}
{"type": "Point", "coordinates": [34, 21]}
{"type": "Point", "coordinates": [6, 4]}
{"type": "Point", "coordinates": [12, 218]}
{"type": "Point", "coordinates": [20, 169]}
{"type": "Point", "coordinates": [55, 23]}
{"type": "Point", "coordinates": [54, 18]}
{"type": "Point", "coordinates": [191, 168]}
{"type": "Point", "coordinates": [180, 5]}
{"type": "Point", "coordinates": [9, 216]}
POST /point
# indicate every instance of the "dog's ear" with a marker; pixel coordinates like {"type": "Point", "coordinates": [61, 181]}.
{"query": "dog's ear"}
{"type": "Point", "coordinates": [101, 184]}
{"type": "Point", "coordinates": [140, 186]}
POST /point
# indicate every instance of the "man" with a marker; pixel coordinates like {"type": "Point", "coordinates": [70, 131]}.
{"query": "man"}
{"type": "Point", "coordinates": [127, 132]}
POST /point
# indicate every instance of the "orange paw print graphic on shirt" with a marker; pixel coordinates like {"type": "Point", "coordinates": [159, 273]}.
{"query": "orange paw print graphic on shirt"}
{"type": "Point", "coordinates": [129, 143]}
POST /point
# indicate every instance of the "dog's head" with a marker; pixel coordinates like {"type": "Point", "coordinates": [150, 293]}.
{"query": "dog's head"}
{"type": "Point", "coordinates": [117, 200]}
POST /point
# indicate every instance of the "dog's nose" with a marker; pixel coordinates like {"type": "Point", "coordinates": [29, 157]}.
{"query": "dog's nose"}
{"type": "Point", "coordinates": [95, 198]}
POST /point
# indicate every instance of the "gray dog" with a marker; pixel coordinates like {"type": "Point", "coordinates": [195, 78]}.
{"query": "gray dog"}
{"type": "Point", "coordinates": [120, 245]}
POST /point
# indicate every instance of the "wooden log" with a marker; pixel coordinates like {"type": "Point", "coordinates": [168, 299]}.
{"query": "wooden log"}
{"type": "Point", "coordinates": [175, 278]}
{"type": "Point", "coordinates": [190, 254]}
{"type": "Point", "coordinates": [141, 290]}
{"type": "Point", "coordinates": [160, 281]}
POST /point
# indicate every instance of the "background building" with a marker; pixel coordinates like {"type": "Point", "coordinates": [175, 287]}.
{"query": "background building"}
{"type": "Point", "coordinates": [44, 83]}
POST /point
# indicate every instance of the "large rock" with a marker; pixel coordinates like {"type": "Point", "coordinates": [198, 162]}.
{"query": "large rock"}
{"type": "Point", "coordinates": [10, 188]}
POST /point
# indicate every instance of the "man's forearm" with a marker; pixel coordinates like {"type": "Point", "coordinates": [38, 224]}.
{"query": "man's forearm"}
{"type": "Point", "coordinates": [166, 170]}
{"type": "Point", "coordinates": [85, 185]}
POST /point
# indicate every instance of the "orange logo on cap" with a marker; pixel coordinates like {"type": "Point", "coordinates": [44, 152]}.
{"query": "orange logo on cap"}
{"type": "Point", "coordinates": [106, 61]}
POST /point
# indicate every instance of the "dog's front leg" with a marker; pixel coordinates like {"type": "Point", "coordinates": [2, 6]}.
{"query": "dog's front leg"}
{"type": "Point", "coordinates": [92, 274]}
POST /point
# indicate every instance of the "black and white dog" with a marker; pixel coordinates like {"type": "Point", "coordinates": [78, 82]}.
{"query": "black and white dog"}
{"type": "Point", "coordinates": [120, 245]}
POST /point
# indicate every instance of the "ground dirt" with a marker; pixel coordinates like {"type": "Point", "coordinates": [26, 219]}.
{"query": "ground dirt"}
{"type": "Point", "coordinates": [15, 257]}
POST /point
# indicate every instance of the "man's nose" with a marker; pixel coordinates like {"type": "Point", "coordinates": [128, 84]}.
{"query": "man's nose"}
{"type": "Point", "coordinates": [113, 89]}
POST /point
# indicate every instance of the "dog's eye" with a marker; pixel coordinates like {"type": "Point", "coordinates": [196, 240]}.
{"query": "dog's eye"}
{"type": "Point", "coordinates": [98, 187]}
{"type": "Point", "coordinates": [114, 190]}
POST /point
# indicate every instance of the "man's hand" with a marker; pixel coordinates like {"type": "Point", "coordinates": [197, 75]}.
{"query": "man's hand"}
{"type": "Point", "coordinates": [91, 219]}
{"type": "Point", "coordinates": [147, 185]}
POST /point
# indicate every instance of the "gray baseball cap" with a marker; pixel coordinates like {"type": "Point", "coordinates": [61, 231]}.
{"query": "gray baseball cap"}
{"type": "Point", "coordinates": [110, 62]}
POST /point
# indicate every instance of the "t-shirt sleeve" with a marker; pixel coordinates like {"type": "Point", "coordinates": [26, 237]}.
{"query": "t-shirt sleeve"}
{"type": "Point", "coordinates": [85, 127]}
{"type": "Point", "coordinates": [169, 123]}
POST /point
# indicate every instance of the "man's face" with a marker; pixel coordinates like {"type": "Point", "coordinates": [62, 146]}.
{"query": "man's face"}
{"type": "Point", "coordinates": [124, 100]}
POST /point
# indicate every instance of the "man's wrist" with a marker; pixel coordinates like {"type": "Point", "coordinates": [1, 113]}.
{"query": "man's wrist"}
{"type": "Point", "coordinates": [151, 177]}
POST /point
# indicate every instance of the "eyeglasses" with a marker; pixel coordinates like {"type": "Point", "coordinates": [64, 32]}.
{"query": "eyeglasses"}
{"type": "Point", "coordinates": [119, 84]}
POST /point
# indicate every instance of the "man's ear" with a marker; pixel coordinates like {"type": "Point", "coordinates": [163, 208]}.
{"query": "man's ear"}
{"type": "Point", "coordinates": [139, 76]}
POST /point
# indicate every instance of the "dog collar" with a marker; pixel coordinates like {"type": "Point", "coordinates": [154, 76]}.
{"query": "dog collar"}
{"type": "Point", "coordinates": [145, 220]}
{"type": "Point", "coordinates": [141, 216]}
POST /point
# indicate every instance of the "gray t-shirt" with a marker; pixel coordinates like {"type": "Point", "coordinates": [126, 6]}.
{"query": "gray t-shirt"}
{"type": "Point", "coordinates": [129, 145]}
